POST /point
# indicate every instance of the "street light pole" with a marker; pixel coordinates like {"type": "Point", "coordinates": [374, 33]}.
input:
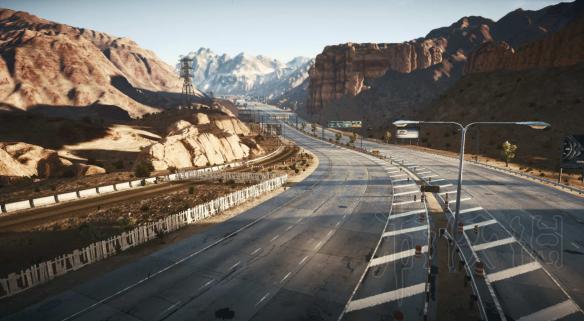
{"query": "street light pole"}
{"type": "Point", "coordinates": [463, 131]}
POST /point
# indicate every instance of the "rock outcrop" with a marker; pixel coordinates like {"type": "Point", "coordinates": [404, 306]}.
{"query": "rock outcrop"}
{"type": "Point", "coordinates": [563, 48]}
{"type": "Point", "coordinates": [342, 70]}
{"type": "Point", "coordinates": [47, 63]}
{"type": "Point", "coordinates": [345, 71]}
{"type": "Point", "coordinates": [207, 142]}
{"type": "Point", "coordinates": [26, 160]}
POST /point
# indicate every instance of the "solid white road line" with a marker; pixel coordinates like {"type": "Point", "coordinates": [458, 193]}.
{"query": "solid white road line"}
{"type": "Point", "coordinates": [405, 230]}
{"type": "Point", "coordinates": [399, 180]}
{"type": "Point", "coordinates": [317, 244]}
{"type": "Point", "coordinates": [514, 271]}
{"type": "Point", "coordinates": [445, 185]}
{"type": "Point", "coordinates": [406, 193]}
{"type": "Point", "coordinates": [488, 245]}
{"type": "Point", "coordinates": [402, 203]}
{"type": "Point", "coordinates": [468, 210]}
{"type": "Point", "coordinates": [398, 175]}
{"type": "Point", "coordinates": [437, 180]}
{"type": "Point", "coordinates": [303, 259]}
{"type": "Point", "coordinates": [396, 256]}
{"type": "Point", "coordinates": [426, 177]}
{"type": "Point", "coordinates": [480, 224]}
{"type": "Point", "coordinates": [386, 297]}
{"type": "Point", "coordinates": [423, 173]}
{"type": "Point", "coordinates": [394, 216]}
{"type": "Point", "coordinates": [555, 312]}
{"type": "Point", "coordinates": [275, 238]}
{"type": "Point", "coordinates": [393, 172]}
{"type": "Point", "coordinates": [405, 185]}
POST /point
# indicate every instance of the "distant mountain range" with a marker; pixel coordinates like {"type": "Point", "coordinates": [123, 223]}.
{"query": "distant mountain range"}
{"type": "Point", "coordinates": [246, 74]}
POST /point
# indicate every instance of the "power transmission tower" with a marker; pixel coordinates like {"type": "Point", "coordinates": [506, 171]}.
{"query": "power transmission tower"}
{"type": "Point", "coordinates": [186, 73]}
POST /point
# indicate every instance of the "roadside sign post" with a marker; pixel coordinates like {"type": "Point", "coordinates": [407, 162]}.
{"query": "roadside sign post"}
{"type": "Point", "coordinates": [463, 130]}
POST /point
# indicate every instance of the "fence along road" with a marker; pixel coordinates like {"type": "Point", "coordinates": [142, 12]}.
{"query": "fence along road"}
{"type": "Point", "coordinates": [298, 254]}
{"type": "Point", "coordinates": [545, 225]}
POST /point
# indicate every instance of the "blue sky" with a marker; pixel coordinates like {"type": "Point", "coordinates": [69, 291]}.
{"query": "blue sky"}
{"type": "Point", "coordinates": [274, 28]}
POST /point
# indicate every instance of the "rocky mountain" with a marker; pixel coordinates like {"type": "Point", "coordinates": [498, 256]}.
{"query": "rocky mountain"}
{"type": "Point", "coordinates": [48, 63]}
{"type": "Point", "coordinates": [541, 80]}
{"type": "Point", "coordinates": [246, 74]}
{"type": "Point", "coordinates": [202, 142]}
{"type": "Point", "coordinates": [379, 81]}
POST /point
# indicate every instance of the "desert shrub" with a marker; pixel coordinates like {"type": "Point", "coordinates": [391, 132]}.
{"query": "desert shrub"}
{"type": "Point", "coordinates": [119, 164]}
{"type": "Point", "coordinates": [144, 207]}
{"type": "Point", "coordinates": [68, 173]}
{"type": "Point", "coordinates": [172, 169]}
{"type": "Point", "coordinates": [143, 169]}
{"type": "Point", "coordinates": [191, 190]}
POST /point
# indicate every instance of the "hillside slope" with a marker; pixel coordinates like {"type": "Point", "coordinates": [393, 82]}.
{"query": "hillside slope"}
{"type": "Point", "coordinates": [47, 63]}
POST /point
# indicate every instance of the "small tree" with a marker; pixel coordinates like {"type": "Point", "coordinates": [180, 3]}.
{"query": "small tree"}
{"type": "Point", "coordinates": [338, 137]}
{"type": "Point", "coordinates": [388, 136]}
{"type": "Point", "coordinates": [143, 169]}
{"type": "Point", "coordinates": [353, 138]}
{"type": "Point", "coordinates": [508, 151]}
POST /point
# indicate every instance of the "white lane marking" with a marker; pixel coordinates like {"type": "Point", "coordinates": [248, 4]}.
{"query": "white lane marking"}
{"type": "Point", "coordinates": [405, 185]}
{"type": "Point", "coordinates": [438, 180]}
{"type": "Point", "coordinates": [514, 271]}
{"type": "Point", "coordinates": [303, 259]}
{"type": "Point", "coordinates": [386, 297]}
{"type": "Point", "coordinates": [398, 175]}
{"type": "Point", "coordinates": [234, 265]}
{"type": "Point", "coordinates": [402, 203]}
{"type": "Point", "coordinates": [426, 177]}
{"type": "Point", "coordinates": [445, 185]}
{"type": "Point", "coordinates": [406, 193]}
{"type": "Point", "coordinates": [338, 223]}
{"type": "Point", "coordinates": [424, 173]}
{"type": "Point", "coordinates": [299, 220]}
{"type": "Point", "coordinates": [574, 245]}
{"type": "Point", "coordinates": [393, 172]}
{"type": "Point", "coordinates": [275, 238]}
{"type": "Point", "coordinates": [289, 227]}
{"type": "Point", "coordinates": [394, 216]}
{"type": "Point", "coordinates": [468, 210]}
{"type": "Point", "coordinates": [554, 312]}
{"type": "Point", "coordinates": [317, 244]}
{"type": "Point", "coordinates": [450, 192]}
{"type": "Point", "coordinates": [329, 233]}
{"type": "Point", "coordinates": [479, 224]}
{"type": "Point", "coordinates": [396, 256]}
{"type": "Point", "coordinates": [488, 245]}
{"type": "Point", "coordinates": [399, 180]}
{"type": "Point", "coordinates": [263, 298]}
{"type": "Point", "coordinates": [285, 277]}
{"type": "Point", "coordinates": [405, 230]}
{"type": "Point", "coordinates": [256, 250]}
{"type": "Point", "coordinates": [206, 284]}
{"type": "Point", "coordinates": [172, 306]}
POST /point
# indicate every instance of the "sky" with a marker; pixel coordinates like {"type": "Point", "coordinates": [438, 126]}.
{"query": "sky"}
{"type": "Point", "coordinates": [273, 28]}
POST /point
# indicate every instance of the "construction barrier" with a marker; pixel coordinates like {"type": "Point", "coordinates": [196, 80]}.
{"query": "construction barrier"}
{"type": "Point", "coordinates": [48, 270]}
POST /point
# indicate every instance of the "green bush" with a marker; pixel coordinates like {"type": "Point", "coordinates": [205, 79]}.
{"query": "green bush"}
{"type": "Point", "coordinates": [143, 169]}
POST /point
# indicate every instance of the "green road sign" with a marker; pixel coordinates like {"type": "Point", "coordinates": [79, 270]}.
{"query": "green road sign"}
{"type": "Point", "coordinates": [344, 124]}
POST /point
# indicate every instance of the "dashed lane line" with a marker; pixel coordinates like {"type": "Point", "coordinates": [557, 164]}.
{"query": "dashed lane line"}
{"type": "Point", "coordinates": [405, 230]}
{"type": "Point", "coordinates": [488, 245]}
{"type": "Point", "coordinates": [514, 271]}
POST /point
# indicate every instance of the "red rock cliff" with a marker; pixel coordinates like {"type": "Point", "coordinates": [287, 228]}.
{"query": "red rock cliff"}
{"type": "Point", "coordinates": [562, 48]}
{"type": "Point", "coordinates": [342, 70]}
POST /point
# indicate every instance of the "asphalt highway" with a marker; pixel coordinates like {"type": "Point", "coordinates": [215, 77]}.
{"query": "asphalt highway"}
{"type": "Point", "coordinates": [297, 256]}
{"type": "Point", "coordinates": [529, 234]}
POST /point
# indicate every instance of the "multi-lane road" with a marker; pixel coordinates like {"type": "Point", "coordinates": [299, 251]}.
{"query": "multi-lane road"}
{"type": "Point", "coordinates": [529, 235]}
{"type": "Point", "coordinates": [342, 245]}
{"type": "Point", "coordinates": [297, 256]}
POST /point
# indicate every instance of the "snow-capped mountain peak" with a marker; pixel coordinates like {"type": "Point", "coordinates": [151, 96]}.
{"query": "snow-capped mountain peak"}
{"type": "Point", "coordinates": [246, 74]}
